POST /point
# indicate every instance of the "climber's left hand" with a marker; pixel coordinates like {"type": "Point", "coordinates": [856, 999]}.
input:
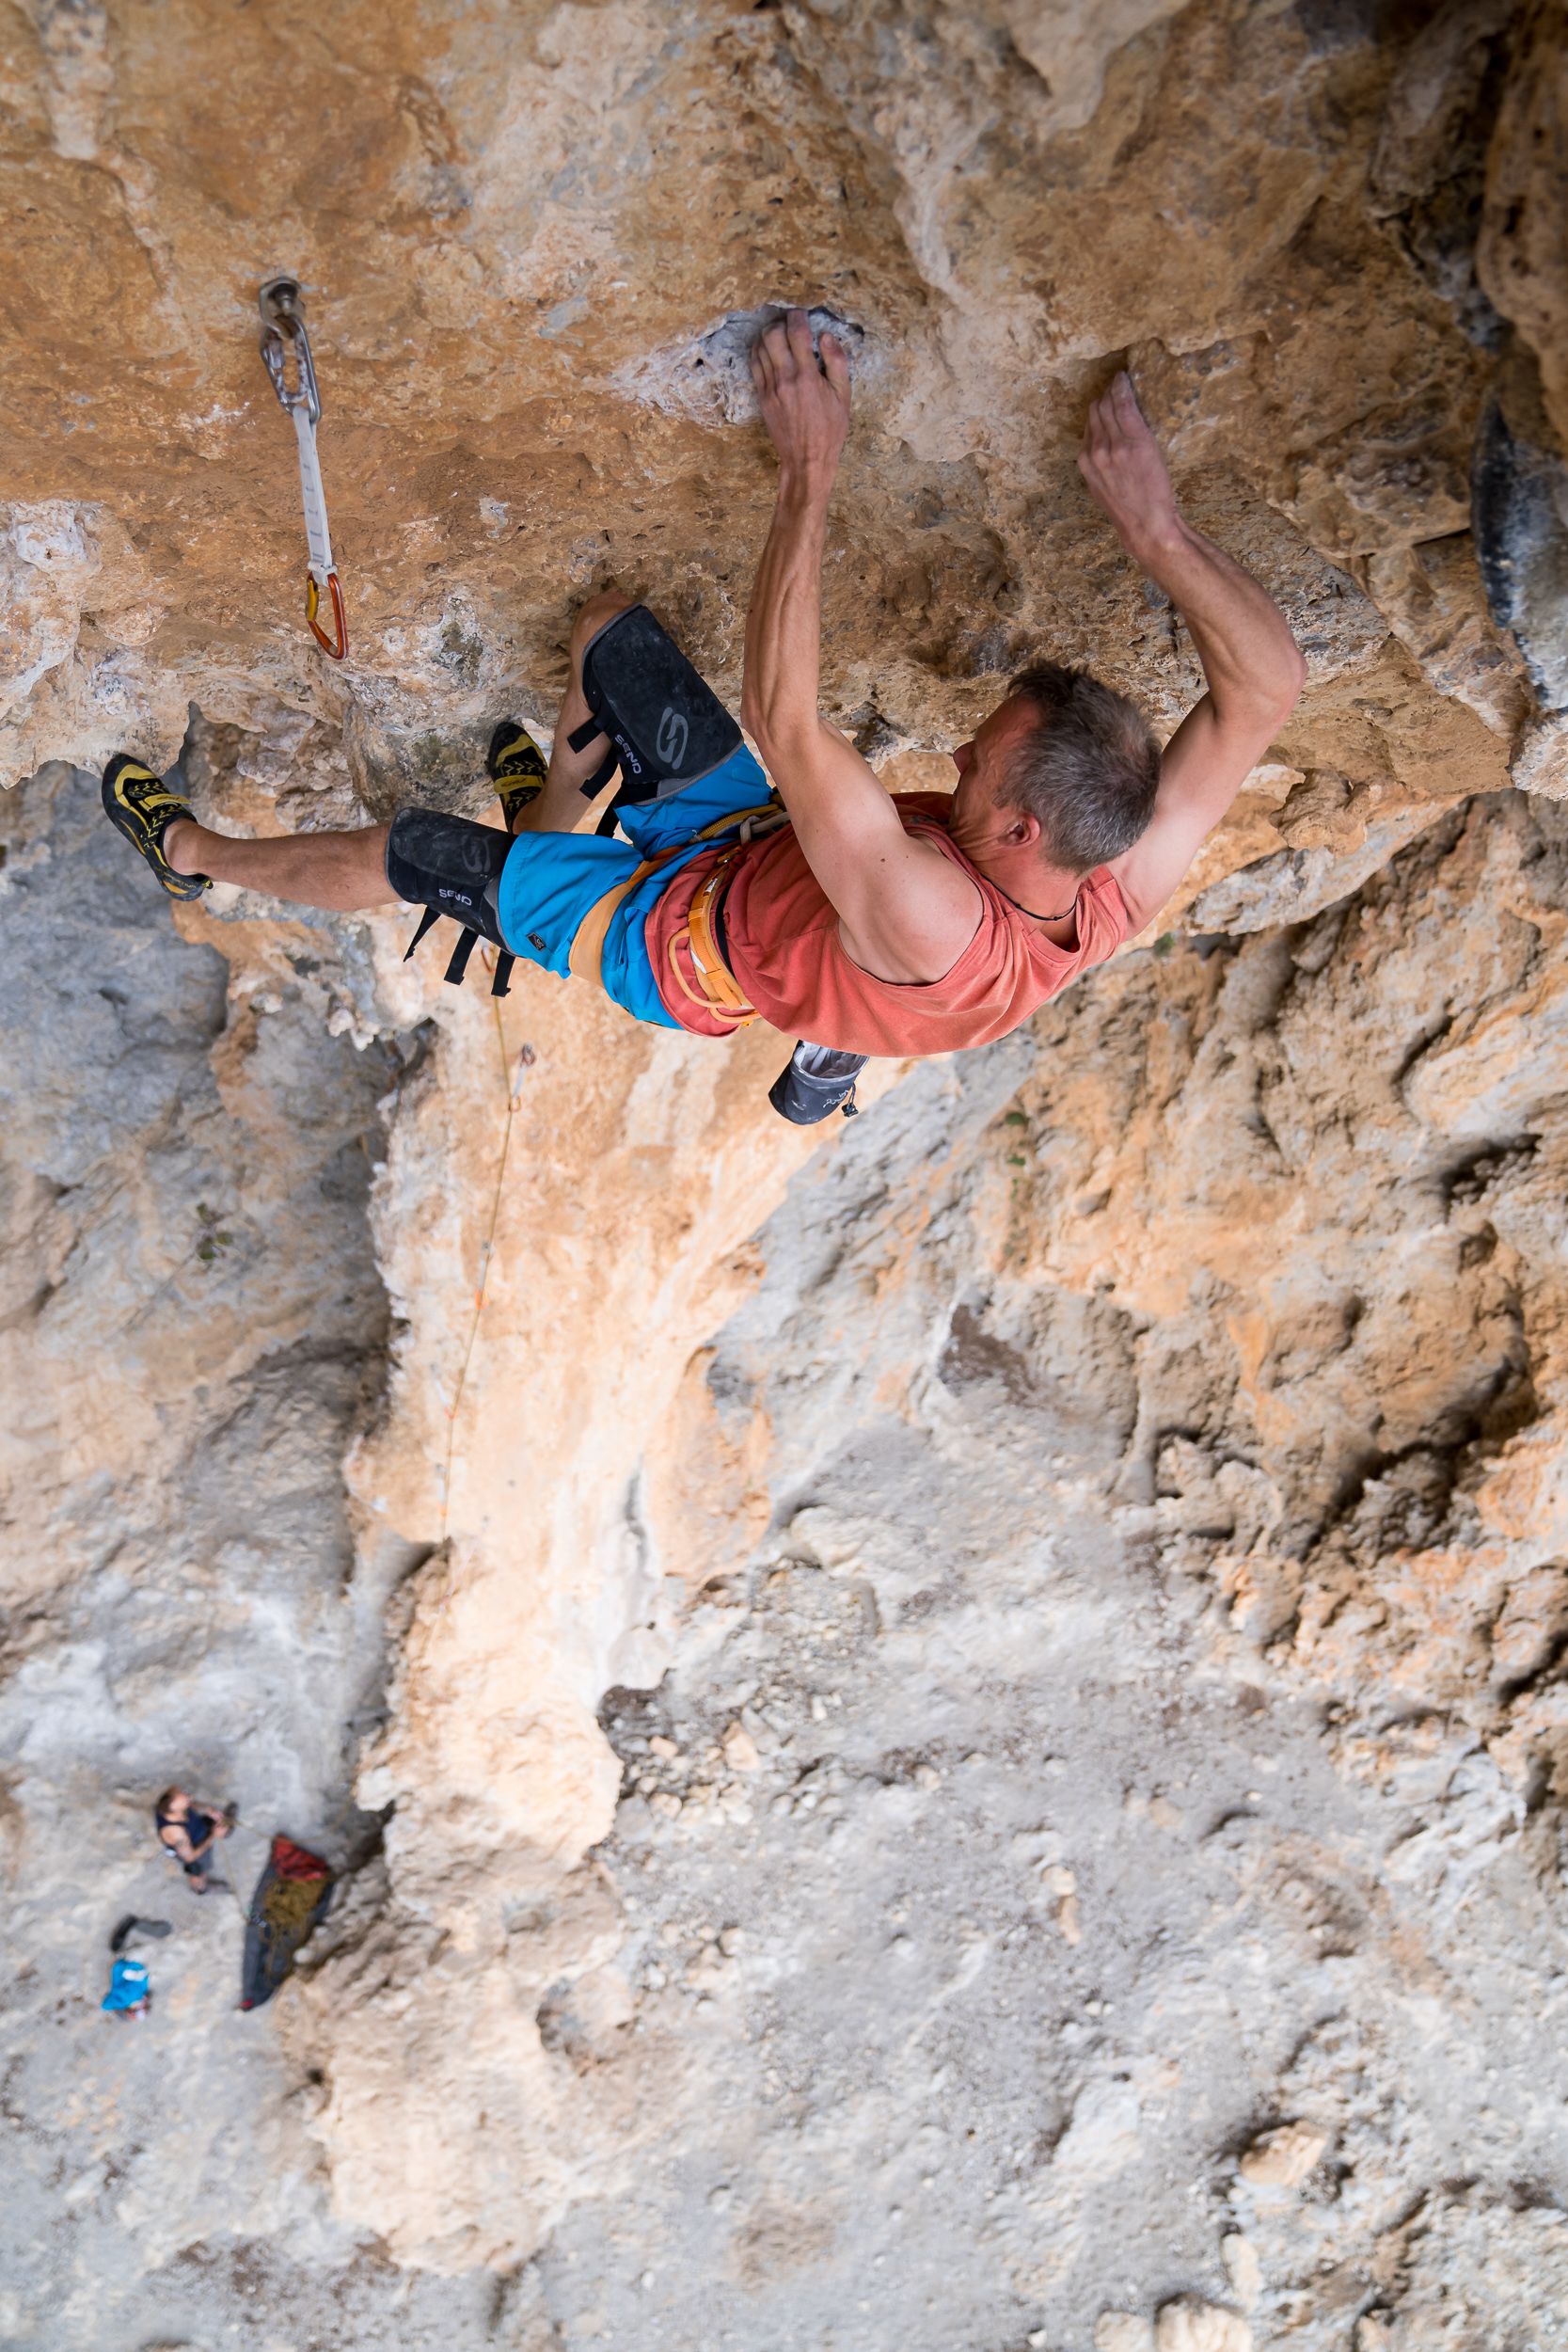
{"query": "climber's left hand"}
{"type": "Point", "coordinates": [805, 405]}
{"type": "Point", "coordinates": [1124, 471]}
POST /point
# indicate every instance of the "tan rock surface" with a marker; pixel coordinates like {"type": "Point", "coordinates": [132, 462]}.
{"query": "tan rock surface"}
{"type": "Point", "coordinates": [498, 221]}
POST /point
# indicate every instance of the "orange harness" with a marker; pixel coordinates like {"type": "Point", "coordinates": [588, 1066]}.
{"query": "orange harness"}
{"type": "Point", "coordinates": [717, 989]}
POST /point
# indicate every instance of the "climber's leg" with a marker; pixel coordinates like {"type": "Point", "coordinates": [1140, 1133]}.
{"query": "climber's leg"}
{"type": "Point", "coordinates": [341, 871]}
{"type": "Point", "coordinates": [560, 806]}
{"type": "Point", "coordinates": [346, 873]}
{"type": "Point", "coordinates": [451, 866]}
{"type": "Point", "coordinates": [635, 703]}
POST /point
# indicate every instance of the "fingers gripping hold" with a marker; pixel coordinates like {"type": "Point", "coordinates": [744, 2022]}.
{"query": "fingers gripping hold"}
{"type": "Point", "coordinates": [1121, 465]}
{"type": "Point", "coordinates": [784, 350]}
{"type": "Point", "coordinates": [802, 391]}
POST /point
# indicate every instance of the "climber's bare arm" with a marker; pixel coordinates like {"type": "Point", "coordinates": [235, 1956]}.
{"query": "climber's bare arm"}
{"type": "Point", "coordinates": [906, 912]}
{"type": "Point", "coordinates": [1251, 660]}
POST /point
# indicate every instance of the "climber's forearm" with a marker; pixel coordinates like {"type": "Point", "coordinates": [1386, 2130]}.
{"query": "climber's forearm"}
{"type": "Point", "coordinates": [779, 699]}
{"type": "Point", "coordinates": [1255, 673]}
{"type": "Point", "coordinates": [893, 894]}
{"type": "Point", "coordinates": [842, 816]}
{"type": "Point", "coordinates": [1252, 662]}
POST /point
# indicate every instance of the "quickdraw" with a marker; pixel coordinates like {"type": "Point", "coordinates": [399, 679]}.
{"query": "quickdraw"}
{"type": "Point", "coordinates": [283, 309]}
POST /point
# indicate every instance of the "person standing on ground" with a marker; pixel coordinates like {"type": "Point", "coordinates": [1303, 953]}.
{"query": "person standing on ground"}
{"type": "Point", "coordinates": [188, 1828]}
{"type": "Point", "coordinates": [871, 924]}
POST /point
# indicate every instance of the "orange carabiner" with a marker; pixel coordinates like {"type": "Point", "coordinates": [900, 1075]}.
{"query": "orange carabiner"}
{"type": "Point", "coordinates": [312, 603]}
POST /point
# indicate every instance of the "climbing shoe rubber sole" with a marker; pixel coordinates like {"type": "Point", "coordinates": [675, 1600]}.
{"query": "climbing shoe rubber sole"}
{"type": "Point", "coordinates": [141, 806]}
{"type": "Point", "coordinates": [516, 766]}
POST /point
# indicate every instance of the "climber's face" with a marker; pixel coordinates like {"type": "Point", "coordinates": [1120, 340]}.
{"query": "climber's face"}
{"type": "Point", "coordinates": [982, 819]}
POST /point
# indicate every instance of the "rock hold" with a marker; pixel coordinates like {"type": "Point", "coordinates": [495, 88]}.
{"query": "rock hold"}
{"type": "Point", "coordinates": [1123, 2331]}
{"type": "Point", "coordinates": [1242, 2268]}
{"type": "Point", "coordinates": [1188, 2325]}
{"type": "Point", "coordinates": [708, 379]}
{"type": "Point", "coordinates": [1282, 2158]}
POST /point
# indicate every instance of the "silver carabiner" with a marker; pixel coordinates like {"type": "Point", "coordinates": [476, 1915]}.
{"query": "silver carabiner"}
{"type": "Point", "coordinates": [282, 308]}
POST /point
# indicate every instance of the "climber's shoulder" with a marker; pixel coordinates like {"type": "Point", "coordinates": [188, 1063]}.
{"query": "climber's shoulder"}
{"type": "Point", "coordinates": [1202, 766]}
{"type": "Point", "coordinates": [907, 908]}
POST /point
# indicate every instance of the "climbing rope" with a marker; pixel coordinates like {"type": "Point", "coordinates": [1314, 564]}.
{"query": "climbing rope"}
{"type": "Point", "coordinates": [513, 1087]}
{"type": "Point", "coordinates": [283, 335]}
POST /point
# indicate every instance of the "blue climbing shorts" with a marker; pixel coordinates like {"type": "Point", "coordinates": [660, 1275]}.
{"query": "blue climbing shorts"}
{"type": "Point", "coordinates": [551, 880]}
{"type": "Point", "coordinates": [684, 768]}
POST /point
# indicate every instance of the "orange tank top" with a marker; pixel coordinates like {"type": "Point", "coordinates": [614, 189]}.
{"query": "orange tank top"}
{"type": "Point", "coordinates": [782, 934]}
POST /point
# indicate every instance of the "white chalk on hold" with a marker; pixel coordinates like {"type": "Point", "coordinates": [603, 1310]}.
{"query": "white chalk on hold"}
{"type": "Point", "coordinates": [710, 378]}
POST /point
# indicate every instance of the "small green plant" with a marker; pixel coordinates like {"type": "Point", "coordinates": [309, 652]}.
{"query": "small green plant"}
{"type": "Point", "coordinates": [213, 1238]}
{"type": "Point", "coordinates": [1165, 942]}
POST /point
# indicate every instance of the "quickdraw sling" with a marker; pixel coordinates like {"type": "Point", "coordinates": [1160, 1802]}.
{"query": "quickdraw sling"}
{"type": "Point", "coordinates": [282, 309]}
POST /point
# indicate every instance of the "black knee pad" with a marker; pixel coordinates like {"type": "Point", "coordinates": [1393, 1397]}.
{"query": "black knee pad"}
{"type": "Point", "coordinates": [449, 864]}
{"type": "Point", "coordinates": [667, 727]}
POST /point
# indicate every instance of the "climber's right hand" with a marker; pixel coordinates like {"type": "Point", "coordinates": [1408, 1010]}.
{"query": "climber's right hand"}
{"type": "Point", "coordinates": [1124, 472]}
{"type": "Point", "coordinates": [804, 406]}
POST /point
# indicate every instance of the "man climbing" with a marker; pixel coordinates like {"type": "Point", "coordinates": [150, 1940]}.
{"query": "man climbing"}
{"type": "Point", "coordinates": [869, 924]}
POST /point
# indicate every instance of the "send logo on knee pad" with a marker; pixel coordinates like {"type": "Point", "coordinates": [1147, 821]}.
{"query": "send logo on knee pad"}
{"type": "Point", "coordinates": [670, 740]}
{"type": "Point", "coordinates": [668, 729]}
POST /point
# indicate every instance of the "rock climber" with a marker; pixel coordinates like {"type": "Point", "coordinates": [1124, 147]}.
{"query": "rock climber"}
{"type": "Point", "coordinates": [867, 923]}
{"type": "Point", "coordinates": [188, 1828]}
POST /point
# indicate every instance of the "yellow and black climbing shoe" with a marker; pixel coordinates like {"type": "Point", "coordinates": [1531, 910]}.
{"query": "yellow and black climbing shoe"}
{"type": "Point", "coordinates": [141, 806]}
{"type": "Point", "coordinates": [516, 766]}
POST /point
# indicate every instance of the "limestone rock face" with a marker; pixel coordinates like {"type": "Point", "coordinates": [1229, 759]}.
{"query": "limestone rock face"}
{"type": "Point", "coordinates": [522, 231]}
{"type": "Point", "coordinates": [886, 1700]}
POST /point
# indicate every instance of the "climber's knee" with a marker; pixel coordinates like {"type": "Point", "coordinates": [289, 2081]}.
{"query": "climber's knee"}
{"type": "Point", "coordinates": [597, 613]}
{"type": "Point", "coordinates": [449, 864]}
{"type": "Point", "coordinates": [667, 728]}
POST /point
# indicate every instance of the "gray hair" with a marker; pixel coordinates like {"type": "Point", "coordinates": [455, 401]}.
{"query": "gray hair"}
{"type": "Point", "coordinates": [1088, 769]}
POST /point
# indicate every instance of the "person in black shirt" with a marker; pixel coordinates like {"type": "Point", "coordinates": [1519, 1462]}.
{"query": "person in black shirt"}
{"type": "Point", "coordinates": [189, 1826]}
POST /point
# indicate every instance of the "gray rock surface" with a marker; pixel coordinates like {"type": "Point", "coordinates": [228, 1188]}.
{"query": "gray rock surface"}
{"type": "Point", "coordinates": [194, 1327]}
{"type": "Point", "coordinates": [1052, 1857]}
